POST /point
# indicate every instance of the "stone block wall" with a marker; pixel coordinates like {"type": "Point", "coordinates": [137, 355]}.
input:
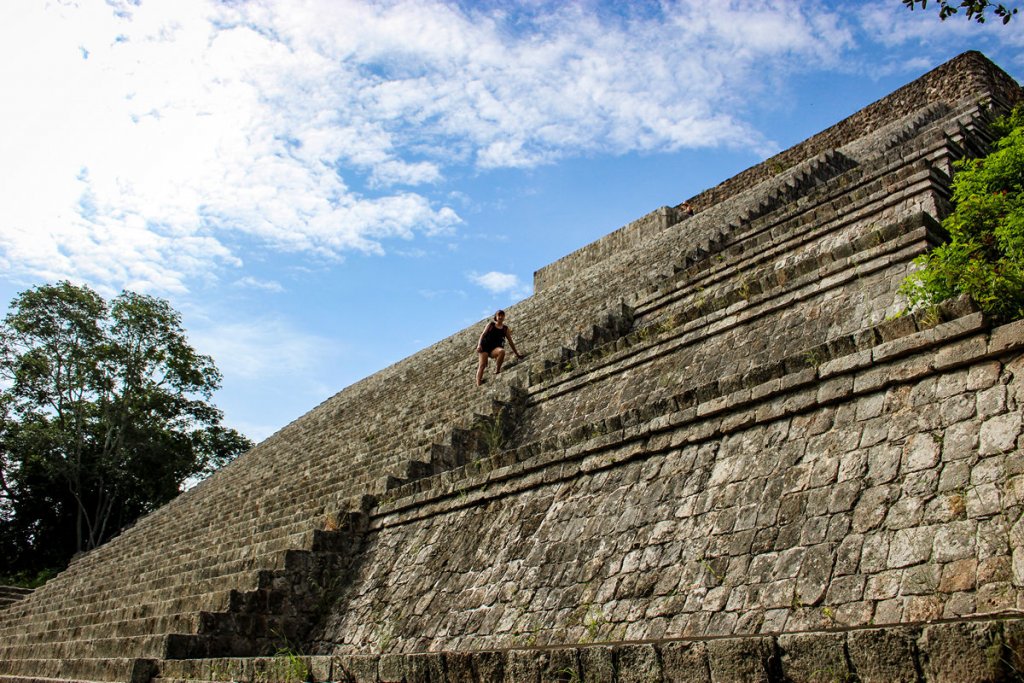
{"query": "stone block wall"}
{"type": "Point", "coordinates": [880, 488]}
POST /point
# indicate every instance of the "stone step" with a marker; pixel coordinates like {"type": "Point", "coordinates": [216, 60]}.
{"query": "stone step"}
{"type": "Point", "coordinates": [686, 346]}
{"type": "Point", "coordinates": [768, 228]}
{"type": "Point", "coordinates": [282, 668]}
{"type": "Point", "coordinates": [977, 650]}
{"type": "Point", "coordinates": [127, 670]}
{"type": "Point", "coordinates": [695, 313]}
{"type": "Point", "coordinates": [875, 184]}
{"type": "Point", "coordinates": [889, 340]}
{"type": "Point", "coordinates": [12, 594]}
{"type": "Point", "coordinates": [116, 624]}
{"type": "Point", "coordinates": [182, 605]}
{"type": "Point", "coordinates": [205, 569]}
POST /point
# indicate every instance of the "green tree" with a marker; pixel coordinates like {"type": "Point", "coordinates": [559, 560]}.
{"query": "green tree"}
{"type": "Point", "coordinates": [975, 9]}
{"type": "Point", "coordinates": [105, 413]}
{"type": "Point", "coordinates": [985, 254]}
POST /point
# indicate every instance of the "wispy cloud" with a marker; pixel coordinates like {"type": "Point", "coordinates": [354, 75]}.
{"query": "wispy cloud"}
{"type": "Point", "coordinates": [263, 349]}
{"type": "Point", "coordinates": [149, 144]}
{"type": "Point", "coordinates": [501, 283]}
{"type": "Point", "coordinates": [249, 282]}
{"type": "Point", "coordinates": [914, 41]}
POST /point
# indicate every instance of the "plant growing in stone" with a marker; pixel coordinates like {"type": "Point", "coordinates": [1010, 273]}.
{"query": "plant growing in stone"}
{"type": "Point", "coordinates": [290, 665]}
{"type": "Point", "coordinates": [568, 674]}
{"type": "Point", "coordinates": [494, 431]}
{"type": "Point", "coordinates": [815, 357]}
{"type": "Point", "coordinates": [219, 671]}
{"type": "Point", "coordinates": [593, 621]}
{"type": "Point", "coordinates": [711, 570]}
{"type": "Point", "coordinates": [384, 635]}
{"type": "Point", "coordinates": [744, 291]}
{"type": "Point", "coordinates": [985, 255]}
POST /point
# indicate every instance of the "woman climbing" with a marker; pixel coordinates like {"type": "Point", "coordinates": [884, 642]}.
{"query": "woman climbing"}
{"type": "Point", "coordinates": [492, 345]}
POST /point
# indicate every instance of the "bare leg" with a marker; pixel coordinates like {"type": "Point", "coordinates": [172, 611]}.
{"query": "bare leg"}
{"type": "Point", "coordinates": [480, 368]}
{"type": "Point", "coordinates": [499, 355]}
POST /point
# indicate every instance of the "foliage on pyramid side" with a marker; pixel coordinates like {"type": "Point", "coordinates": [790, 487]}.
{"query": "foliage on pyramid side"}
{"type": "Point", "coordinates": [985, 255]}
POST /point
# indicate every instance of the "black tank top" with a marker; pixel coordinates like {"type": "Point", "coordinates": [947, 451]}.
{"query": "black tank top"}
{"type": "Point", "coordinates": [493, 337]}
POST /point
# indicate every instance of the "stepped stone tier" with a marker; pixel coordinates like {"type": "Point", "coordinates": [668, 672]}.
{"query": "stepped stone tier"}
{"type": "Point", "coordinates": [728, 457]}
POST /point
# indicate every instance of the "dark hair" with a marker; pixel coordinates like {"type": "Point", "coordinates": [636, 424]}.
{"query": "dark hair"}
{"type": "Point", "coordinates": [498, 312]}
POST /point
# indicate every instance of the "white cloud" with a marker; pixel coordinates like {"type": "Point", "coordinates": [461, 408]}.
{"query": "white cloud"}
{"type": "Point", "coordinates": [893, 25]}
{"type": "Point", "coordinates": [249, 282]}
{"type": "Point", "coordinates": [262, 349]}
{"type": "Point", "coordinates": [147, 144]}
{"type": "Point", "coordinates": [498, 283]}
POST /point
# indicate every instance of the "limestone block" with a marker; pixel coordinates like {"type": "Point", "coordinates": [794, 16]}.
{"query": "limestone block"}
{"type": "Point", "coordinates": [955, 541]}
{"type": "Point", "coordinates": [961, 575]}
{"type": "Point", "coordinates": [598, 664]}
{"type": "Point", "coordinates": [883, 655]}
{"type": "Point", "coordinates": [685, 662]}
{"type": "Point", "coordinates": [908, 511]}
{"type": "Point", "coordinates": [489, 666]}
{"type": "Point", "coordinates": [999, 434]}
{"type": "Point", "coordinates": [563, 665]}
{"type": "Point", "coordinates": [747, 660]}
{"type": "Point", "coordinates": [962, 653]}
{"type": "Point", "coordinates": [921, 452]}
{"type": "Point", "coordinates": [815, 573]}
{"type": "Point", "coordinates": [459, 667]}
{"type": "Point", "coordinates": [525, 666]}
{"type": "Point", "coordinates": [425, 668]}
{"type": "Point", "coordinates": [638, 664]}
{"type": "Point", "coordinates": [813, 658]}
{"type": "Point", "coordinates": [910, 546]}
{"type": "Point", "coordinates": [391, 668]}
{"type": "Point", "coordinates": [960, 440]}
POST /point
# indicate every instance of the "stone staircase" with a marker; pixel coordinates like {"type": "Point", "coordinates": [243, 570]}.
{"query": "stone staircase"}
{"type": "Point", "coordinates": [11, 594]}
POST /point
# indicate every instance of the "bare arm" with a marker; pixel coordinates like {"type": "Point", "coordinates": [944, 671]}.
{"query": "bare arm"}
{"type": "Point", "coordinates": [480, 341]}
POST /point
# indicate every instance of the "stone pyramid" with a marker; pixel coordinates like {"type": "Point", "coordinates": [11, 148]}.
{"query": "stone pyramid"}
{"type": "Point", "coordinates": [727, 458]}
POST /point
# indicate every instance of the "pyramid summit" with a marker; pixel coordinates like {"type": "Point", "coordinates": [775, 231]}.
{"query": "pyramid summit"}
{"type": "Point", "coordinates": [726, 458]}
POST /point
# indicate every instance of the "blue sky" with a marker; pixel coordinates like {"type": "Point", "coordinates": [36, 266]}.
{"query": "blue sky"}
{"type": "Point", "coordinates": [324, 187]}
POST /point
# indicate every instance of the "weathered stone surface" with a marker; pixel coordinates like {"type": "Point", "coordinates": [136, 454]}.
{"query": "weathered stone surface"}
{"type": "Point", "coordinates": [814, 658]}
{"type": "Point", "coordinates": [964, 652]}
{"type": "Point", "coordinates": [357, 669]}
{"type": "Point", "coordinates": [391, 669]}
{"type": "Point", "coordinates": [525, 666]}
{"type": "Point", "coordinates": [638, 664]}
{"type": "Point", "coordinates": [459, 667]}
{"type": "Point", "coordinates": [598, 664]}
{"type": "Point", "coordinates": [750, 660]}
{"type": "Point", "coordinates": [685, 662]}
{"type": "Point", "coordinates": [488, 666]}
{"type": "Point", "coordinates": [883, 655]}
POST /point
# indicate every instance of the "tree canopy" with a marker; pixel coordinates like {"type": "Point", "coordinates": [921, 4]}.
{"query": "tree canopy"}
{"type": "Point", "coordinates": [978, 10]}
{"type": "Point", "coordinates": [105, 414]}
{"type": "Point", "coordinates": [985, 254]}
